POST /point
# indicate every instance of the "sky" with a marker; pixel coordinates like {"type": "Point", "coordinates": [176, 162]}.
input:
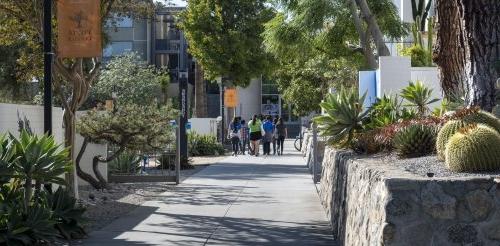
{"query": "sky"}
{"type": "Point", "coordinates": [173, 2]}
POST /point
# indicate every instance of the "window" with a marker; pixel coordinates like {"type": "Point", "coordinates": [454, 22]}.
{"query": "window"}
{"type": "Point", "coordinates": [171, 61]}
{"type": "Point", "coordinates": [118, 21]}
{"type": "Point", "coordinates": [165, 28]}
{"type": "Point", "coordinates": [117, 48]}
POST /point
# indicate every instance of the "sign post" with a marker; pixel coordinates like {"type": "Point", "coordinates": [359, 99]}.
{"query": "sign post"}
{"type": "Point", "coordinates": [78, 36]}
{"type": "Point", "coordinates": [47, 66]}
{"type": "Point", "coordinates": [79, 28]}
{"type": "Point", "coordinates": [183, 119]}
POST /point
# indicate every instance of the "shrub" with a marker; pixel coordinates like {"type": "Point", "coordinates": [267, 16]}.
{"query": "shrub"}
{"type": "Point", "coordinates": [204, 145]}
{"type": "Point", "coordinates": [29, 213]}
{"type": "Point", "coordinates": [125, 163]}
{"type": "Point", "coordinates": [419, 56]}
{"type": "Point", "coordinates": [344, 117]}
{"type": "Point", "coordinates": [415, 140]}
{"type": "Point", "coordinates": [474, 148]}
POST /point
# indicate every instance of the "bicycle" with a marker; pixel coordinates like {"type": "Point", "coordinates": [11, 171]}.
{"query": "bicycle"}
{"type": "Point", "coordinates": [298, 142]}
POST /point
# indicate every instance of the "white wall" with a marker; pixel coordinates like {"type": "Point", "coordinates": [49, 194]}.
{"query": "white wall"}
{"type": "Point", "coordinates": [429, 77]}
{"type": "Point", "coordinates": [249, 99]}
{"type": "Point", "coordinates": [395, 72]}
{"type": "Point", "coordinates": [8, 123]}
{"type": "Point", "coordinates": [8, 119]}
{"type": "Point", "coordinates": [205, 126]}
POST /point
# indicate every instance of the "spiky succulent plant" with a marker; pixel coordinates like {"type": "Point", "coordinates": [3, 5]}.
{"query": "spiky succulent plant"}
{"type": "Point", "coordinates": [415, 140]}
{"type": "Point", "coordinates": [343, 117]}
{"type": "Point", "coordinates": [474, 148]}
{"type": "Point", "coordinates": [446, 132]}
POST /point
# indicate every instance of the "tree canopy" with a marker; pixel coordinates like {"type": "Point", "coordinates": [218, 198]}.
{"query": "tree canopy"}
{"type": "Point", "coordinates": [317, 44]}
{"type": "Point", "coordinates": [131, 80]}
{"type": "Point", "coordinates": [225, 37]}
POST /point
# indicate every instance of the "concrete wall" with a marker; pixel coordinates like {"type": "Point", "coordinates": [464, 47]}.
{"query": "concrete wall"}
{"type": "Point", "coordinates": [394, 74]}
{"type": "Point", "coordinates": [205, 126]}
{"type": "Point", "coordinates": [8, 123]}
{"type": "Point", "coordinates": [370, 202]}
{"type": "Point", "coordinates": [250, 100]}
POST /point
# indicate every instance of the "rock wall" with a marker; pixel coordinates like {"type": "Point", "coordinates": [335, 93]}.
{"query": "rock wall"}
{"type": "Point", "coordinates": [372, 203]}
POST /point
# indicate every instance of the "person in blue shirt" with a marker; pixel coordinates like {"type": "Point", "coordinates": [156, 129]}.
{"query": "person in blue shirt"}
{"type": "Point", "coordinates": [234, 134]}
{"type": "Point", "coordinates": [268, 128]}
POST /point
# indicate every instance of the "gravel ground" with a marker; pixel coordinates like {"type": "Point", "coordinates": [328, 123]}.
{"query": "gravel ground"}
{"type": "Point", "coordinates": [107, 205]}
{"type": "Point", "coordinates": [428, 164]}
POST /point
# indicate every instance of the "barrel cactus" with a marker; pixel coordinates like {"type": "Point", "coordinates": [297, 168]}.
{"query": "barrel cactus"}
{"type": "Point", "coordinates": [446, 132]}
{"type": "Point", "coordinates": [474, 148]}
{"type": "Point", "coordinates": [483, 117]}
{"type": "Point", "coordinates": [415, 140]}
{"type": "Point", "coordinates": [496, 111]}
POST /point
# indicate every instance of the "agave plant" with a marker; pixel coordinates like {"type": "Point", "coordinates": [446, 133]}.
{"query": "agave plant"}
{"type": "Point", "coordinates": [419, 96]}
{"type": "Point", "coordinates": [40, 160]}
{"type": "Point", "coordinates": [66, 213]}
{"type": "Point", "coordinates": [343, 118]}
{"type": "Point", "coordinates": [126, 163]}
{"type": "Point", "coordinates": [7, 152]}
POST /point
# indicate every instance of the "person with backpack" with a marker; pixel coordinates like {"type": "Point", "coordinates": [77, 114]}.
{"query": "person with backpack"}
{"type": "Point", "coordinates": [234, 134]}
{"type": "Point", "coordinates": [244, 135]}
{"type": "Point", "coordinates": [282, 133]}
{"type": "Point", "coordinates": [268, 135]}
{"type": "Point", "coordinates": [255, 128]}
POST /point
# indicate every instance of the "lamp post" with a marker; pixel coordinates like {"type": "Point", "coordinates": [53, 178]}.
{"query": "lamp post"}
{"type": "Point", "coordinates": [47, 64]}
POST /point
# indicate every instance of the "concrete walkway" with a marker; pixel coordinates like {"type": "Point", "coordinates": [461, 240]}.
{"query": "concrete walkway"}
{"type": "Point", "coordinates": [243, 200]}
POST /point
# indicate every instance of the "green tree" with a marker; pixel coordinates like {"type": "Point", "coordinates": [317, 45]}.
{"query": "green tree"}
{"type": "Point", "coordinates": [129, 127]}
{"type": "Point", "coordinates": [225, 37]}
{"type": "Point", "coordinates": [131, 80]}
{"type": "Point", "coordinates": [320, 44]}
{"type": "Point", "coordinates": [73, 78]}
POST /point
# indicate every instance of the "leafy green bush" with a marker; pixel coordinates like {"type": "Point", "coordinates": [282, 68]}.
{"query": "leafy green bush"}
{"type": "Point", "coordinates": [419, 56]}
{"type": "Point", "coordinates": [125, 163]}
{"type": "Point", "coordinates": [388, 110]}
{"type": "Point", "coordinates": [29, 213]}
{"type": "Point", "coordinates": [204, 145]}
{"type": "Point", "coordinates": [344, 117]}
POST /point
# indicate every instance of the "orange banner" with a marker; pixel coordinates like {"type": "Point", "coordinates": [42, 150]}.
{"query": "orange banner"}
{"type": "Point", "coordinates": [79, 28]}
{"type": "Point", "coordinates": [231, 98]}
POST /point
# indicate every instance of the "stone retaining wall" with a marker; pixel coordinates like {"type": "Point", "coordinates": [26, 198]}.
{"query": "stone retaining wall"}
{"type": "Point", "coordinates": [372, 203]}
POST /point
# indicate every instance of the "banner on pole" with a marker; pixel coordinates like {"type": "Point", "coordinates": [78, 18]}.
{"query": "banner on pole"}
{"type": "Point", "coordinates": [231, 98]}
{"type": "Point", "coordinates": [79, 28]}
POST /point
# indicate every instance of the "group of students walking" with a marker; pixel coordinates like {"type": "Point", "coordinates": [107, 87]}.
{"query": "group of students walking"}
{"type": "Point", "coordinates": [269, 130]}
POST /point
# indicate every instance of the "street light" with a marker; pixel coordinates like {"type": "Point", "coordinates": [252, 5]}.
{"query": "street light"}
{"type": "Point", "coordinates": [47, 66]}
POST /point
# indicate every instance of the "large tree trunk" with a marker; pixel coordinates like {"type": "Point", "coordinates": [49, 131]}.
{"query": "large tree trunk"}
{"type": "Point", "coordinates": [468, 47]}
{"type": "Point", "coordinates": [448, 52]}
{"type": "Point", "coordinates": [364, 39]}
{"type": "Point", "coordinates": [200, 90]}
{"type": "Point", "coordinates": [371, 21]}
{"type": "Point", "coordinates": [481, 20]}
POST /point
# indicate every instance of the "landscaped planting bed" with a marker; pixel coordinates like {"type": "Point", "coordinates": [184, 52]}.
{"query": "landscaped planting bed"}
{"type": "Point", "coordinates": [384, 200]}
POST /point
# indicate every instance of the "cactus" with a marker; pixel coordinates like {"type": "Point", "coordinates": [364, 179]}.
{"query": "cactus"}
{"type": "Point", "coordinates": [415, 140]}
{"type": "Point", "coordinates": [474, 148]}
{"type": "Point", "coordinates": [496, 111]}
{"type": "Point", "coordinates": [483, 117]}
{"type": "Point", "coordinates": [446, 132]}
